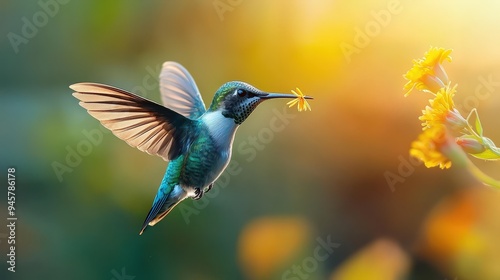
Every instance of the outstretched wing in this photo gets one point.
(141, 123)
(179, 91)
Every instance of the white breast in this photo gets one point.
(221, 129)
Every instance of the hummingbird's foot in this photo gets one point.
(208, 188)
(198, 193)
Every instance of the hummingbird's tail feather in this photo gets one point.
(162, 205)
(158, 203)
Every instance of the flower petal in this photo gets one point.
(293, 102)
(302, 104)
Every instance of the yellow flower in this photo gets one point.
(300, 100)
(428, 147)
(442, 111)
(427, 73)
(436, 56)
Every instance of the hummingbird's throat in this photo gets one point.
(240, 112)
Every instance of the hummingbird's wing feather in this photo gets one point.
(165, 200)
(179, 91)
(141, 123)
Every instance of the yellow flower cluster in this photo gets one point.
(446, 135)
(428, 75)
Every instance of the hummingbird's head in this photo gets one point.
(237, 100)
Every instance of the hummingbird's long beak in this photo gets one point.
(281, 95)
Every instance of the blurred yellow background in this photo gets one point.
(307, 199)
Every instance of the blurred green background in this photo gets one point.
(298, 181)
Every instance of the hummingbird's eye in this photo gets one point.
(241, 92)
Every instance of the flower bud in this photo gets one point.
(455, 121)
(470, 145)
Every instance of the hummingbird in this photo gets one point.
(195, 141)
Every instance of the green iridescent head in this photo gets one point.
(237, 100)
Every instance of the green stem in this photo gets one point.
(458, 157)
(487, 180)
